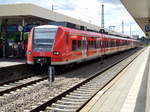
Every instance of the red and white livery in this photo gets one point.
(58, 45)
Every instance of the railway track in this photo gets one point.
(75, 98)
(12, 85)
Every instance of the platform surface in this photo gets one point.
(128, 92)
(11, 62)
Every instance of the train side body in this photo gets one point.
(71, 46)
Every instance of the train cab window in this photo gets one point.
(79, 45)
(74, 45)
(43, 39)
(44, 36)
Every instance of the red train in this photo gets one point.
(58, 45)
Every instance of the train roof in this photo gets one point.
(94, 34)
(84, 33)
(46, 26)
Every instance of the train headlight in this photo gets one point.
(56, 52)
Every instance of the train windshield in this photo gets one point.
(44, 36)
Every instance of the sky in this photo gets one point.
(90, 11)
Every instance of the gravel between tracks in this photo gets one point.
(24, 98)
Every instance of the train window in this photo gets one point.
(74, 45)
(97, 44)
(105, 44)
(101, 44)
(67, 38)
(83, 44)
(117, 43)
(79, 45)
(111, 43)
(89, 44)
(94, 42)
(114, 44)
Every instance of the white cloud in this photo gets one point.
(90, 10)
(19, 2)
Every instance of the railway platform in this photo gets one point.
(10, 68)
(128, 92)
(11, 62)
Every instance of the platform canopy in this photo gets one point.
(29, 13)
(140, 11)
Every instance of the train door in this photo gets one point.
(84, 49)
(97, 46)
(103, 45)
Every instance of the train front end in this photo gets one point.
(40, 44)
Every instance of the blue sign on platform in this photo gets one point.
(12, 28)
(147, 28)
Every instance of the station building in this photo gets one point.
(16, 20)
